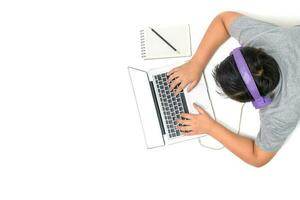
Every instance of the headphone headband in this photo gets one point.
(259, 101)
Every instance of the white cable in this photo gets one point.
(241, 115)
(215, 148)
(208, 147)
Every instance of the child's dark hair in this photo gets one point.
(263, 67)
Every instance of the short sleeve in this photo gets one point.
(273, 133)
(244, 29)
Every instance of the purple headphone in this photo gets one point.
(259, 101)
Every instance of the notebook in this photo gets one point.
(153, 47)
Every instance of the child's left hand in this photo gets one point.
(194, 124)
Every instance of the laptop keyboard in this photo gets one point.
(172, 105)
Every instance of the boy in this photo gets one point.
(272, 54)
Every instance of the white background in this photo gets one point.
(69, 127)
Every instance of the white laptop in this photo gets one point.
(159, 108)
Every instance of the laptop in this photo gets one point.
(159, 107)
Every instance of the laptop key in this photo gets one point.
(171, 104)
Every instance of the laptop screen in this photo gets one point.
(146, 107)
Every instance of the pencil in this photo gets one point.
(156, 33)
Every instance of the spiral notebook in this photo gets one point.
(154, 47)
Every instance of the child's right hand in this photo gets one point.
(188, 73)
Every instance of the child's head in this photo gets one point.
(263, 67)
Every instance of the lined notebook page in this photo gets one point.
(178, 36)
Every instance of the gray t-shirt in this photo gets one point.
(279, 118)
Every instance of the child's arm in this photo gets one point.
(245, 148)
(216, 34)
